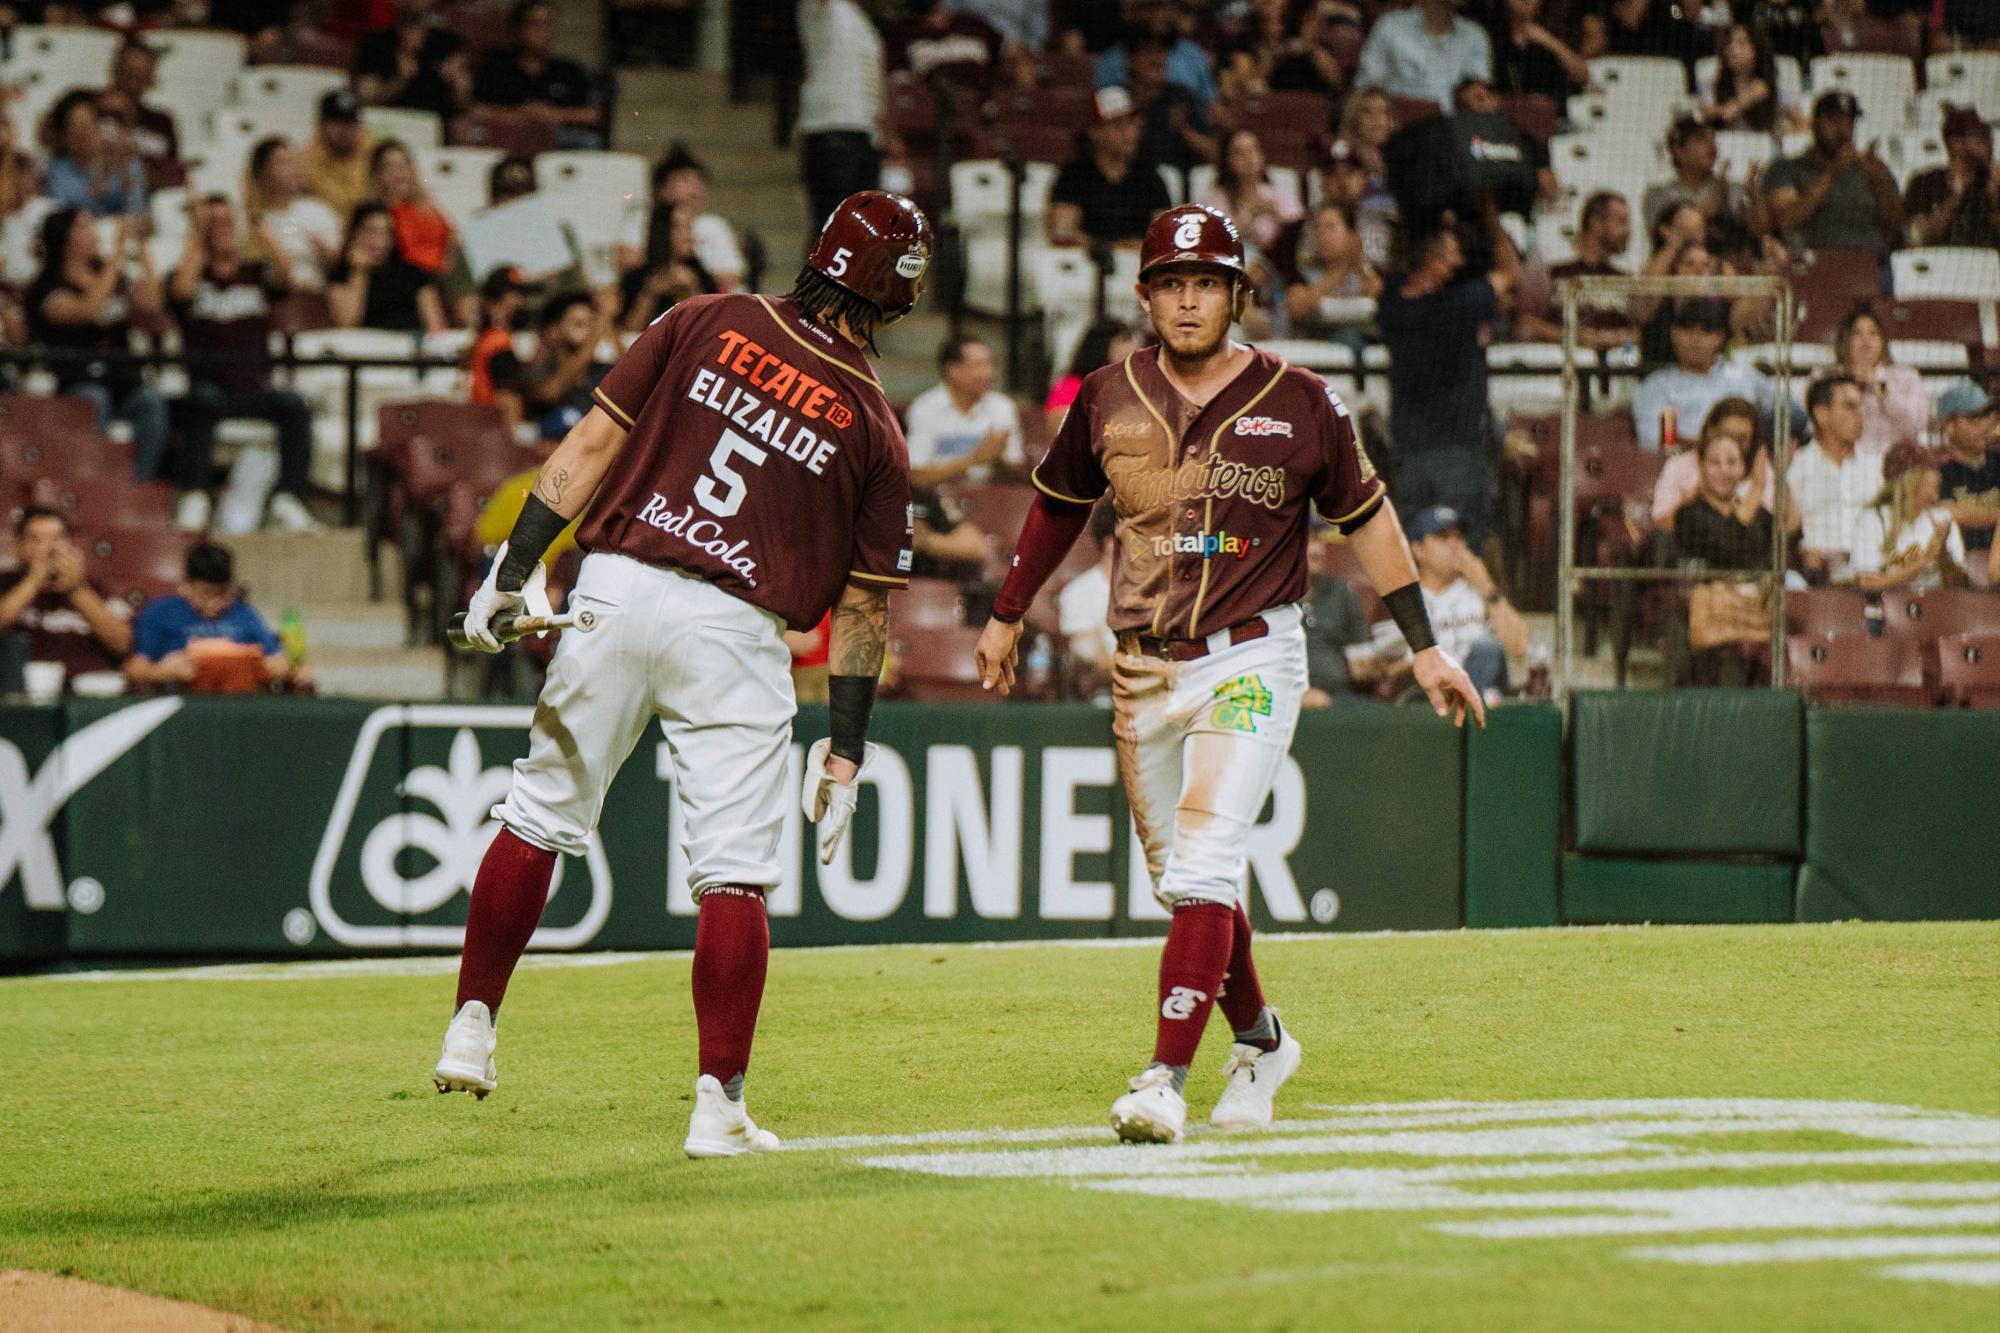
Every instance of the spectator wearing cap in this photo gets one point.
(155, 140)
(1603, 229)
(223, 303)
(962, 428)
(1829, 481)
(1185, 63)
(92, 165)
(843, 126)
(337, 159)
(373, 286)
(208, 620)
(1959, 202)
(1894, 407)
(529, 76)
(493, 371)
(1727, 205)
(680, 187)
(1681, 477)
(1970, 474)
(1723, 526)
(1906, 538)
(281, 214)
(1835, 197)
(1698, 379)
(1529, 60)
(565, 368)
(1423, 51)
(53, 603)
(1104, 195)
(1471, 617)
(1342, 664)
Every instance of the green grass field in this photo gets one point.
(266, 1141)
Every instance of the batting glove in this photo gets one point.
(490, 607)
(828, 801)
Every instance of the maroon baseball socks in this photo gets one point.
(732, 947)
(1192, 966)
(508, 896)
(1242, 1000)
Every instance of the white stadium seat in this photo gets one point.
(196, 71)
(1968, 272)
(1201, 180)
(1882, 84)
(1312, 354)
(1170, 176)
(326, 389)
(1743, 149)
(611, 180)
(1635, 80)
(285, 98)
(455, 178)
(1913, 151)
(1927, 355)
(76, 57)
(412, 129)
(981, 195)
(1974, 76)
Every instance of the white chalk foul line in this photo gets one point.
(1968, 1274)
(1816, 1249)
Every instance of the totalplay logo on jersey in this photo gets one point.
(1203, 544)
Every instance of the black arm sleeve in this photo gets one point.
(1406, 604)
(849, 699)
(534, 532)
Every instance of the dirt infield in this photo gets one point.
(45, 1303)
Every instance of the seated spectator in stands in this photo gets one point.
(665, 280)
(1894, 406)
(1434, 317)
(1083, 607)
(92, 165)
(565, 369)
(1335, 624)
(1680, 480)
(1906, 539)
(1174, 125)
(338, 158)
(945, 544)
(154, 137)
(1829, 481)
(531, 77)
(173, 636)
(931, 41)
(374, 287)
(22, 209)
(82, 303)
(680, 184)
(1022, 24)
(1323, 264)
(1422, 52)
(1105, 195)
(418, 64)
(223, 303)
(1835, 197)
(1641, 28)
(1603, 229)
(1356, 175)
(492, 368)
(280, 212)
(1316, 60)
(1186, 63)
(1725, 205)
(1959, 202)
(423, 234)
(511, 178)
(1699, 378)
(1529, 60)
(962, 428)
(1742, 93)
(1471, 617)
(1246, 194)
(1724, 527)
(1970, 476)
(53, 602)
(1105, 343)
(1847, 25)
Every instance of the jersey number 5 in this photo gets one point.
(724, 500)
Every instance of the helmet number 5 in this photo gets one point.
(724, 500)
(837, 266)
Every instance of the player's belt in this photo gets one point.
(1187, 650)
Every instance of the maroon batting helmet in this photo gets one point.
(876, 245)
(1192, 234)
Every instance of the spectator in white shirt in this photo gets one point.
(680, 183)
(1829, 482)
(1424, 51)
(1906, 539)
(1471, 617)
(276, 205)
(963, 429)
(841, 124)
(1698, 379)
(1081, 608)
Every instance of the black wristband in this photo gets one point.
(849, 701)
(1406, 604)
(534, 532)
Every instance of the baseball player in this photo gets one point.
(739, 473)
(1211, 451)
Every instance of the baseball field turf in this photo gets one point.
(1687, 1128)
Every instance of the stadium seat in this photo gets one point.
(1819, 612)
(1034, 139)
(1964, 271)
(926, 604)
(1201, 179)
(105, 499)
(981, 197)
(1534, 115)
(1929, 615)
(31, 412)
(1743, 149)
(1972, 77)
(1913, 151)
(1826, 284)
(937, 665)
(196, 71)
(1311, 354)
(1635, 132)
(513, 133)
(1969, 669)
(455, 178)
(613, 181)
(67, 57)
(1856, 668)
(132, 563)
(285, 98)
(1932, 320)
(412, 129)
(325, 387)
(1882, 84)
(31, 454)
(1637, 80)
(1791, 79)
(1925, 354)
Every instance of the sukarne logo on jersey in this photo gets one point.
(1254, 426)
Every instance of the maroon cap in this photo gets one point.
(1192, 234)
(878, 246)
(1902, 457)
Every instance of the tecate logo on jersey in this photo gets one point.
(704, 534)
(1263, 426)
(1203, 544)
(783, 382)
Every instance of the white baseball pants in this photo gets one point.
(713, 668)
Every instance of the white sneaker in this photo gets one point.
(1152, 1112)
(722, 1128)
(1254, 1079)
(289, 514)
(467, 1062)
(191, 514)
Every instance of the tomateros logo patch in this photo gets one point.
(1263, 426)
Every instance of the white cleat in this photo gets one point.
(467, 1062)
(1152, 1112)
(722, 1128)
(1254, 1079)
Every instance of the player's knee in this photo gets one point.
(544, 828)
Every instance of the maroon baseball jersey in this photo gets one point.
(761, 456)
(1211, 501)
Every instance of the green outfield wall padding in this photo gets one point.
(1686, 771)
(1513, 795)
(1598, 890)
(1902, 815)
(35, 893)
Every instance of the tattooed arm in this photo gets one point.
(859, 641)
(562, 489)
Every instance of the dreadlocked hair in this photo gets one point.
(828, 302)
